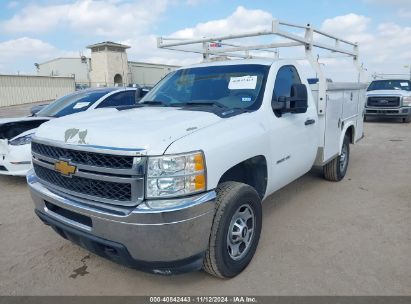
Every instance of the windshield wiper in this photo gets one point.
(224, 111)
(204, 103)
(154, 102)
(128, 107)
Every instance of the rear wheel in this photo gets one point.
(235, 231)
(335, 170)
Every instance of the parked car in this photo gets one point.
(176, 184)
(35, 109)
(16, 133)
(82, 86)
(389, 98)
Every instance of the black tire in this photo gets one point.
(407, 119)
(365, 118)
(334, 170)
(231, 197)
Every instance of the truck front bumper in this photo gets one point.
(388, 112)
(161, 241)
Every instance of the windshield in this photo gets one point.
(72, 103)
(390, 85)
(228, 86)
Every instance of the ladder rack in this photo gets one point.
(313, 38)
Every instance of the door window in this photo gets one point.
(286, 77)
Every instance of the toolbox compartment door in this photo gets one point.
(333, 120)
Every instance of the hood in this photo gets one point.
(389, 92)
(25, 118)
(151, 129)
(13, 127)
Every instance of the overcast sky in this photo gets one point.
(35, 31)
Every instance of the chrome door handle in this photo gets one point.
(309, 122)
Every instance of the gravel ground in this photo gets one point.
(318, 238)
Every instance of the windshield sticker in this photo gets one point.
(243, 83)
(404, 84)
(81, 105)
(246, 99)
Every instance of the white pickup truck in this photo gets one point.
(176, 183)
(389, 98)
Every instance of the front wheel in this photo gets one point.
(235, 231)
(407, 119)
(335, 170)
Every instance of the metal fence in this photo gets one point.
(19, 89)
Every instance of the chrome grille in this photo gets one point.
(99, 177)
(83, 157)
(97, 188)
(383, 101)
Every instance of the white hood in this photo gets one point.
(152, 129)
(388, 93)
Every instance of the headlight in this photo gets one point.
(23, 140)
(175, 175)
(406, 101)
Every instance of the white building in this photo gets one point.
(107, 66)
(69, 67)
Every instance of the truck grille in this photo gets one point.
(99, 177)
(81, 185)
(83, 157)
(383, 101)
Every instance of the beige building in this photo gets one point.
(109, 63)
(108, 66)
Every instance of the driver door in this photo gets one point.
(293, 136)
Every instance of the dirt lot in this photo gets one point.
(319, 238)
(19, 110)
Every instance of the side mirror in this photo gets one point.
(144, 92)
(296, 103)
(299, 98)
(141, 92)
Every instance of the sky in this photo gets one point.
(35, 31)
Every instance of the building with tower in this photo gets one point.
(107, 66)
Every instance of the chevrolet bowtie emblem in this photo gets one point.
(64, 168)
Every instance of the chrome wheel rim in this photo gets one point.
(241, 232)
(343, 158)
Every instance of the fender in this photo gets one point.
(344, 131)
(226, 144)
